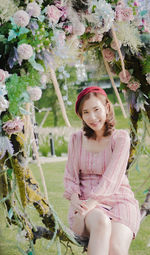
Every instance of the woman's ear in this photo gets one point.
(107, 107)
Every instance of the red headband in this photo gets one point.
(86, 91)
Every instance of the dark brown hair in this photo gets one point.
(110, 117)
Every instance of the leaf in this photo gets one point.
(3, 39)
(12, 35)
(142, 13)
(41, 18)
(36, 65)
(23, 30)
(9, 173)
(10, 213)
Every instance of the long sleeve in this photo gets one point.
(116, 168)
(71, 176)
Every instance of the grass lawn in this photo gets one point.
(54, 179)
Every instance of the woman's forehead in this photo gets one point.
(92, 102)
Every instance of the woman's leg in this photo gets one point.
(98, 226)
(120, 240)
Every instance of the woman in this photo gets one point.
(102, 204)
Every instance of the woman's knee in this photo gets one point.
(97, 221)
(116, 249)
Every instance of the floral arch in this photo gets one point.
(36, 37)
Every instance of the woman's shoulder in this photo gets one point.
(76, 136)
(120, 133)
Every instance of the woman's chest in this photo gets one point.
(94, 162)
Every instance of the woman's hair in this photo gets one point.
(110, 116)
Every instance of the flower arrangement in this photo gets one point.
(42, 35)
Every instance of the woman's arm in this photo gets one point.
(112, 177)
(71, 176)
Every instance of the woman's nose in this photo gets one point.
(92, 116)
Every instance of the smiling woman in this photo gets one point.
(102, 204)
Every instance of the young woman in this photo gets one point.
(102, 204)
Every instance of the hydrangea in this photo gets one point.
(25, 51)
(103, 15)
(53, 13)
(21, 18)
(35, 93)
(5, 146)
(33, 9)
(124, 13)
(13, 126)
(4, 104)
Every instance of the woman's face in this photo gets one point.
(94, 113)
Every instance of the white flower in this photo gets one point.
(35, 93)
(148, 78)
(4, 104)
(25, 51)
(33, 9)
(21, 18)
(5, 146)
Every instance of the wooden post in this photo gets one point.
(58, 93)
(114, 86)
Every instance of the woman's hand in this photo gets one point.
(79, 205)
(91, 203)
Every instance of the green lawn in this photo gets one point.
(54, 179)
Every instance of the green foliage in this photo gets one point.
(44, 147)
(146, 65)
(61, 146)
(16, 87)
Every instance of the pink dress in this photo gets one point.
(101, 175)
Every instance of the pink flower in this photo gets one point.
(25, 51)
(96, 38)
(133, 85)
(124, 13)
(35, 93)
(3, 75)
(114, 45)
(53, 13)
(125, 79)
(68, 28)
(13, 126)
(108, 54)
(33, 9)
(78, 29)
(21, 18)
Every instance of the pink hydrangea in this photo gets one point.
(124, 13)
(133, 85)
(53, 13)
(33, 9)
(114, 45)
(78, 29)
(13, 126)
(21, 18)
(108, 54)
(35, 93)
(3, 75)
(126, 78)
(25, 51)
